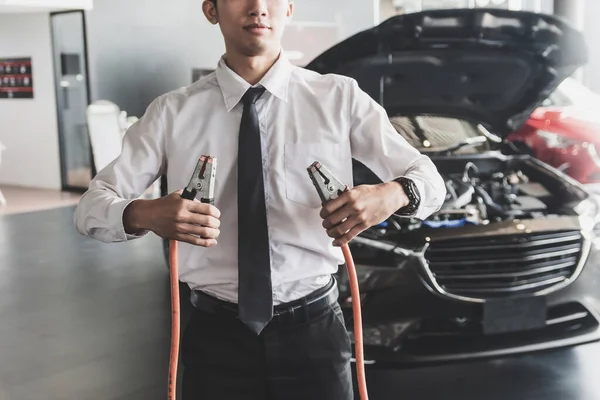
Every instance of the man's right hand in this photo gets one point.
(174, 218)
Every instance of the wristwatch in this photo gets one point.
(414, 197)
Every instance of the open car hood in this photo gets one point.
(492, 67)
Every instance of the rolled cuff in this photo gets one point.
(115, 216)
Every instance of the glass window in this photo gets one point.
(72, 95)
(389, 8)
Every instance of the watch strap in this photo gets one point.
(413, 195)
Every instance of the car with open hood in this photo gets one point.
(510, 262)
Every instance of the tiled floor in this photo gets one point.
(80, 319)
(22, 200)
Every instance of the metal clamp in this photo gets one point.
(328, 186)
(202, 181)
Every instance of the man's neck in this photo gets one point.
(252, 69)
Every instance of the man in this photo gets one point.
(267, 324)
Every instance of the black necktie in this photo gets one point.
(255, 298)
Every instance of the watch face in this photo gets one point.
(409, 184)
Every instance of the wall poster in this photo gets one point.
(16, 79)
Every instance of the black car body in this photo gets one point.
(510, 262)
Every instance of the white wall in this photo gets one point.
(28, 127)
(26, 6)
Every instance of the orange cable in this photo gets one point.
(357, 315)
(175, 320)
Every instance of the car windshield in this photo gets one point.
(431, 134)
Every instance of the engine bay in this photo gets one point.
(482, 190)
(485, 191)
(475, 198)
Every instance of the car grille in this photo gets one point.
(497, 266)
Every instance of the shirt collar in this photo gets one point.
(276, 81)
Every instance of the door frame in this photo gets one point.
(61, 142)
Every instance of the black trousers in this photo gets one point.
(304, 358)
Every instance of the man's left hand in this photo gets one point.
(360, 208)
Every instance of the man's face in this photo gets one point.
(251, 27)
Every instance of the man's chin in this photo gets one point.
(257, 49)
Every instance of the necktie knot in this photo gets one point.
(252, 95)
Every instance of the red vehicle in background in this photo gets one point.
(564, 132)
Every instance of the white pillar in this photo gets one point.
(574, 12)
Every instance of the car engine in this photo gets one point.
(474, 198)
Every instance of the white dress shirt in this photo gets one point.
(304, 117)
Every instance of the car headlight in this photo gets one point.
(591, 148)
(556, 141)
(589, 214)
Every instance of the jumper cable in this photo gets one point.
(329, 188)
(202, 181)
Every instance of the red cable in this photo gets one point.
(175, 322)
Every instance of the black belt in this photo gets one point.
(301, 310)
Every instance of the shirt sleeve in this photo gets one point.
(99, 213)
(377, 144)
